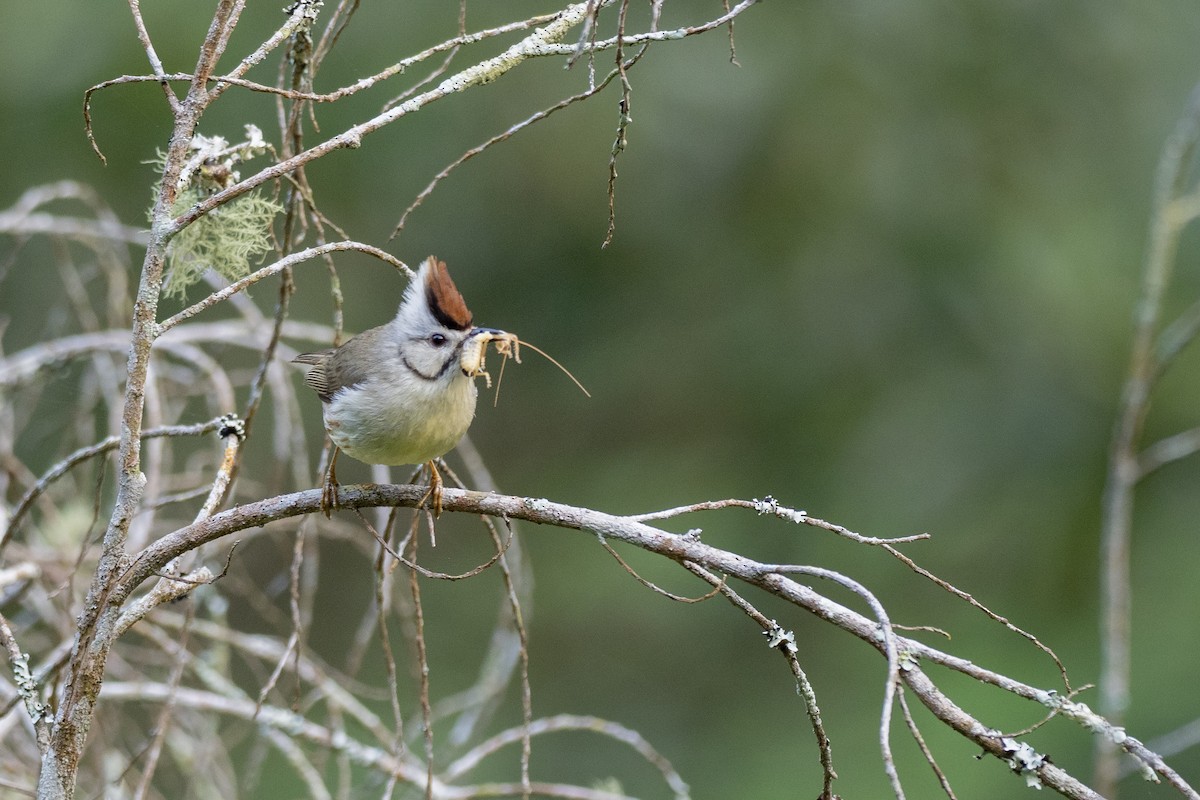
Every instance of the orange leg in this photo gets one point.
(329, 492)
(434, 496)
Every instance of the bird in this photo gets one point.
(404, 392)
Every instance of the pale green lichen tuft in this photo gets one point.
(227, 239)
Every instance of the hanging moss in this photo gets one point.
(227, 239)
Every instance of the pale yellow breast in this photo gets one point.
(371, 423)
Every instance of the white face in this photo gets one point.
(431, 351)
(425, 344)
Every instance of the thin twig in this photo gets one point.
(165, 713)
(423, 668)
(85, 453)
(474, 151)
(571, 722)
(1174, 168)
(518, 621)
(652, 586)
(788, 648)
(385, 646)
(1168, 450)
(771, 506)
(943, 781)
(970, 600)
(273, 269)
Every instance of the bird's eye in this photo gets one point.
(437, 339)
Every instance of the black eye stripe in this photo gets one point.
(452, 358)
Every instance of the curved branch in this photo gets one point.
(680, 548)
(539, 43)
(275, 269)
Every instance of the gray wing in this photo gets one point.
(343, 366)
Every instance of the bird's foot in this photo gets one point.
(433, 497)
(329, 497)
(329, 491)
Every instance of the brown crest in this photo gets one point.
(442, 295)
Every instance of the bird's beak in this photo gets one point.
(475, 350)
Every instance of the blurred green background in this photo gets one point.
(882, 270)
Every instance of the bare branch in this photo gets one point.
(903, 653)
(85, 453)
(135, 8)
(571, 722)
(1124, 470)
(274, 269)
(785, 643)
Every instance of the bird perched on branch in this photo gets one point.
(404, 393)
